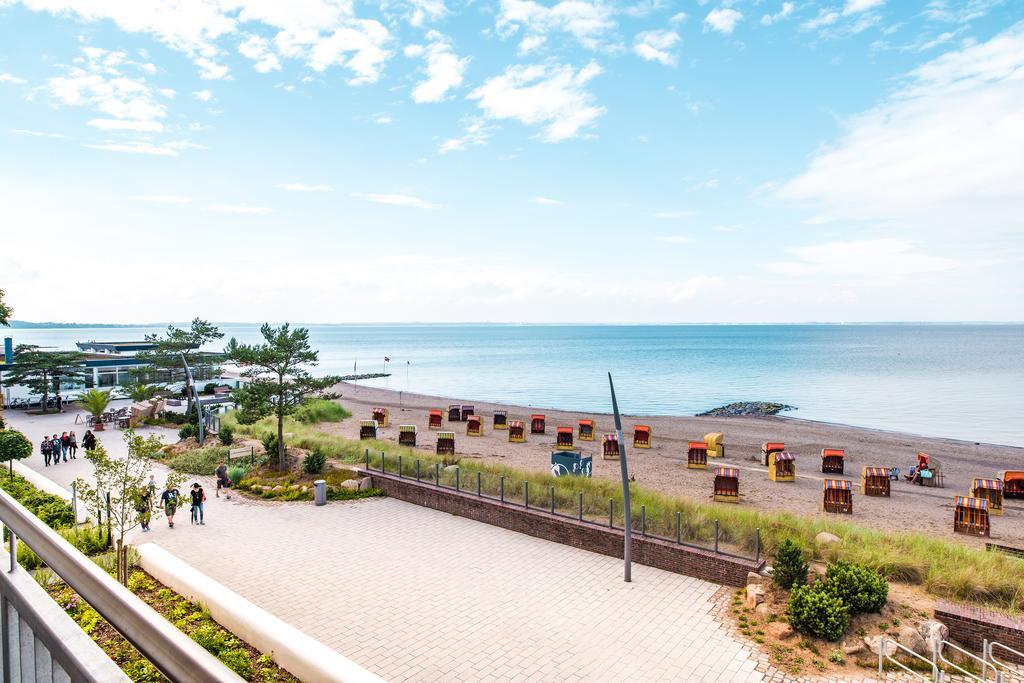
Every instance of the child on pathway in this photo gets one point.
(198, 498)
(169, 502)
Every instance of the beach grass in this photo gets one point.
(943, 568)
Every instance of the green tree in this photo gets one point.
(95, 402)
(164, 360)
(13, 446)
(140, 391)
(5, 311)
(124, 479)
(278, 379)
(44, 371)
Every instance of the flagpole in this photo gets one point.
(627, 550)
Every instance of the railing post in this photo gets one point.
(108, 520)
(716, 535)
(382, 462)
(478, 484)
(679, 522)
(367, 458)
(611, 513)
(437, 474)
(13, 540)
(399, 467)
(417, 471)
(503, 489)
(74, 500)
(643, 520)
(526, 494)
(881, 656)
(457, 477)
(757, 545)
(552, 500)
(581, 506)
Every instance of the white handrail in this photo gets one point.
(882, 657)
(940, 646)
(990, 656)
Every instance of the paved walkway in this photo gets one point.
(415, 594)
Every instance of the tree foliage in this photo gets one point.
(790, 567)
(14, 446)
(278, 379)
(44, 371)
(95, 401)
(164, 361)
(6, 311)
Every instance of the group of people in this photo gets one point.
(58, 448)
(170, 501)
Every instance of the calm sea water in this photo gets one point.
(961, 381)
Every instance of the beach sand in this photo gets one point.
(663, 466)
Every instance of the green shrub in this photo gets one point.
(861, 589)
(188, 431)
(226, 435)
(210, 637)
(209, 387)
(836, 657)
(88, 619)
(790, 567)
(320, 410)
(314, 462)
(90, 540)
(818, 613)
(174, 418)
(269, 441)
(236, 474)
(199, 460)
(237, 659)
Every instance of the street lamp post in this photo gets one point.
(627, 551)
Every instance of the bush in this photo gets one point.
(209, 387)
(226, 435)
(187, 431)
(174, 418)
(210, 638)
(320, 410)
(269, 441)
(790, 568)
(90, 540)
(199, 460)
(861, 589)
(236, 474)
(314, 462)
(818, 613)
(237, 659)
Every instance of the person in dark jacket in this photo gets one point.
(46, 448)
(198, 496)
(73, 446)
(89, 440)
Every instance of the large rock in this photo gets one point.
(754, 596)
(825, 538)
(754, 579)
(852, 647)
(350, 484)
(932, 631)
(909, 638)
(874, 644)
(762, 609)
(365, 484)
(779, 630)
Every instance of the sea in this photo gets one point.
(963, 381)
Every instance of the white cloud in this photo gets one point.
(383, 119)
(258, 49)
(134, 148)
(203, 95)
(655, 46)
(530, 44)
(300, 187)
(826, 17)
(678, 18)
(36, 133)
(941, 152)
(120, 124)
(98, 81)
(244, 209)
(361, 47)
(475, 133)
(163, 198)
(552, 95)
(547, 201)
(12, 79)
(397, 200)
(886, 255)
(587, 21)
(786, 10)
(857, 6)
(423, 11)
(723, 20)
(675, 239)
(444, 69)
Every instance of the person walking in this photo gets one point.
(89, 440)
(55, 448)
(169, 502)
(223, 481)
(198, 498)
(46, 448)
(73, 445)
(65, 444)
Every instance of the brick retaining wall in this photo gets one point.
(703, 564)
(972, 626)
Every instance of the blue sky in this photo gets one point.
(512, 160)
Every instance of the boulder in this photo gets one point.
(350, 484)
(909, 638)
(873, 644)
(365, 484)
(754, 579)
(852, 647)
(754, 596)
(779, 630)
(276, 488)
(451, 468)
(825, 538)
(932, 631)
(762, 609)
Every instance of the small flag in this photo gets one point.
(386, 359)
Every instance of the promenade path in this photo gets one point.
(415, 594)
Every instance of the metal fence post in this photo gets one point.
(611, 513)
(503, 489)
(417, 470)
(367, 458)
(437, 474)
(478, 484)
(399, 467)
(881, 656)
(643, 520)
(13, 540)
(457, 471)
(108, 520)
(716, 535)
(526, 493)
(679, 524)
(581, 506)
(382, 462)
(552, 500)
(757, 545)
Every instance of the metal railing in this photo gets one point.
(434, 475)
(884, 657)
(1004, 671)
(939, 650)
(172, 652)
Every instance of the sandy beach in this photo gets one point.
(663, 466)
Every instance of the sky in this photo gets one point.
(512, 160)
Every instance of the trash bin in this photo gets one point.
(320, 492)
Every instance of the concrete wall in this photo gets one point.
(703, 564)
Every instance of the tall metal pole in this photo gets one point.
(627, 551)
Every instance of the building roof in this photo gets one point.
(115, 346)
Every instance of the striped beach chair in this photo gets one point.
(434, 419)
(407, 435)
(610, 447)
(474, 425)
(381, 415)
(770, 448)
(832, 460)
(782, 467)
(500, 420)
(875, 481)
(697, 455)
(992, 491)
(538, 424)
(446, 443)
(585, 431)
(455, 413)
(368, 429)
(467, 411)
(727, 485)
(970, 516)
(563, 437)
(641, 436)
(516, 431)
(837, 496)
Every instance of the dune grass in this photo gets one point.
(943, 568)
(321, 410)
